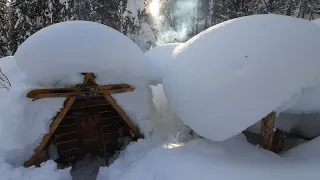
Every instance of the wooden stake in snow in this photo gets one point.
(267, 131)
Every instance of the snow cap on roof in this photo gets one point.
(80, 46)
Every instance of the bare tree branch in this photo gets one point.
(4, 81)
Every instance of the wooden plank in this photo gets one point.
(123, 115)
(90, 101)
(79, 93)
(267, 131)
(53, 127)
(111, 87)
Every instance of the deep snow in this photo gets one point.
(67, 50)
(205, 90)
(160, 57)
(233, 74)
(233, 159)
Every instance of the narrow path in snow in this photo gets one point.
(87, 168)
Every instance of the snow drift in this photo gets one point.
(57, 55)
(167, 125)
(316, 21)
(161, 56)
(233, 74)
(203, 159)
(22, 126)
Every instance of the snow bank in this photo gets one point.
(230, 76)
(7, 64)
(160, 57)
(80, 46)
(305, 151)
(23, 123)
(56, 56)
(167, 125)
(48, 171)
(200, 158)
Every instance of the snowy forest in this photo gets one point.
(159, 89)
(146, 22)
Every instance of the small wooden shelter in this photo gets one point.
(90, 121)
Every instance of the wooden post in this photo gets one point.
(267, 131)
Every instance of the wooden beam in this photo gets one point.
(79, 93)
(123, 115)
(267, 131)
(113, 88)
(54, 125)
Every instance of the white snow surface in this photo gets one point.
(306, 151)
(160, 57)
(80, 46)
(316, 21)
(308, 101)
(7, 64)
(23, 123)
(230, 76)
(69, 48)
(234, 159)
(22, 126)
(47, 171)
(167, 124)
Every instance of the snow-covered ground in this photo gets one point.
(220, 82)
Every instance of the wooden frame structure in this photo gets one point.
(88, 83)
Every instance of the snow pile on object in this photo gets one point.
(232, 159)
(48, 171)
(70, 48)
(80, 46)
(230, 76)
(160, 57)
(23, 123)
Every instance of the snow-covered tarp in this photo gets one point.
(233, 74)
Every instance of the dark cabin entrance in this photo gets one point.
(90, 126)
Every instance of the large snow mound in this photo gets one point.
(234, 159)
(233, 74)
(79, 46)
(160, 57)
(57, 55)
